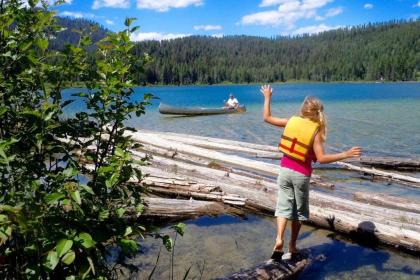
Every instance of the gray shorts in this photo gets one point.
(293, 195)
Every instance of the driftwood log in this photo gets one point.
(272, 269)
(400, 178)
(392, 162)
(390, 201)
(164, 208)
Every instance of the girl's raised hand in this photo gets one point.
(267, 91)
(354, 152)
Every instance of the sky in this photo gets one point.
(167, 19)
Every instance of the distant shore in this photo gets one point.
(290, 82)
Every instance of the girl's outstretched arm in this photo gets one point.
(328, 158)
(267, 91)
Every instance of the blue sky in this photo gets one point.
(163, 19)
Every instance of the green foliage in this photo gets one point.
(370, 52)
(51, 225)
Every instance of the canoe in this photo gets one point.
(197, 111)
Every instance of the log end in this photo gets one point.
(275, 269)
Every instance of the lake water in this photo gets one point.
(384, 119)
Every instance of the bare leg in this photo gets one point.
(295, 233)
(281, 226)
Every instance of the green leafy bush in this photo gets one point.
(52, 225)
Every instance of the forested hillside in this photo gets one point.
(70, 36)
(387, 50)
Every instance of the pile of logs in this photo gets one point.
(202, 168)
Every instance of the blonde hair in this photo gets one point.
(313, 109)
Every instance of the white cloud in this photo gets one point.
(111, 4)
(156, 36)
(109, 22)
(334, 12)
(217, 35)
(207, 27)
(288, 12)
(76, 14)
(268, 3)
(417, 5)
(262, 18)
(166, 5)
(368, 6)
(314, 29)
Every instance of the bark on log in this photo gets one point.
(388, 201)
(273, 269)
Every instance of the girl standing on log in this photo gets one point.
(301, 143)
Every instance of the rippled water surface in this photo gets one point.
(382, 118)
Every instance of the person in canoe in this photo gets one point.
(302, 143)
(232, 102)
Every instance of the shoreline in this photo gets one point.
(297, 82)
(294, 82)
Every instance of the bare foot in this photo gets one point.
(279, 245)
(292, 248)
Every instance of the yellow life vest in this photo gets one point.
(298, 137)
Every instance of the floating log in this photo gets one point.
(361, 228)
(272, 269)
(388, 201)
(364, 210)
(415, 182)
(391, 162)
